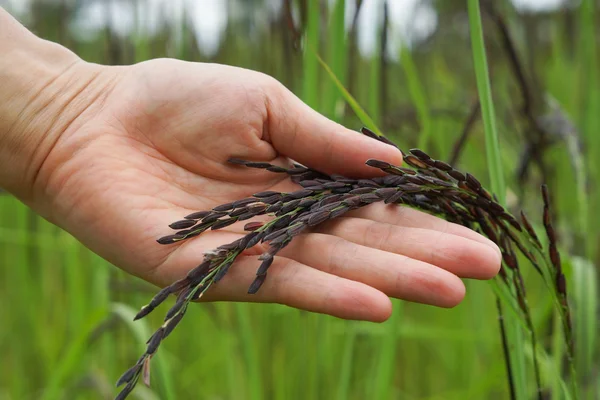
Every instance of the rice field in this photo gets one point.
(67, 320)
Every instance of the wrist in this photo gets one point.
(44, 89)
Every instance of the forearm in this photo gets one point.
(43, 87)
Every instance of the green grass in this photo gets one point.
(67, 330)
(516, 362)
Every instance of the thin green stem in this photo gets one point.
(492, 146)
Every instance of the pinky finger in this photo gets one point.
(300, 286)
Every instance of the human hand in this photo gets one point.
(149, 143)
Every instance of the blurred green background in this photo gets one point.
(66, 329)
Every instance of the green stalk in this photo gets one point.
(417, 95)
(251, 352)
(492, 146)
(336, 57)
(358, 110)
(374, 82)
(346, 365)
(590, 122)
(310, 88)
(387, 357)
(514, 333)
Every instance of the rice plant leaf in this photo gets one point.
(514, 333)
(310, 79)
(358, 110)
(74, 356)
(336, 55)
(141, 331)
(585, 302)
(418, 96)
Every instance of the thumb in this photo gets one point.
(297, 131)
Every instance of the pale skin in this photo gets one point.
(115, 154)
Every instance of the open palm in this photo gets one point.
(155, 148)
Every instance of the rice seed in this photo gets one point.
(295, 229)
(296, 170)
(352, 202)
(561, 284)
(281, 222)
(415, 162)
(335, 185)
(472, 182)
(160, 297)
(256, 284)
(128, 375)
(372, 135)
(300, 194)
(330, 206)
(525, 222)
(394, 198)
(170, 239)
(230, 246)
(126, 391)
(274, 235)
(388, 141)
(309, 183)
(267, 193)
(393, 180)
(415, 179)
(276, 168)
(271, 199)
(411, 188)
(305, 203)
(367, 183)
(154, 341)
(254, 239)
(244, 202)
(280, 239)
(253, 164)
(289, 206)
(196, 274)
(405, 171)
(369, 198)
(175, 308)
(213, 217)
(178, 285)
(442, 165)
(222, 272)
(197, 215)
(172, 323)
(224, 207)
(318, 217)
(145, 310)
(252, 226)
(337, 212)
(274, 207)
(367, 132)
(238, 211)
(183, 224)
(361, 190)
(246, 215)
(378, 164)
(264, 266)
(155, 302)
(222, 223)
(384, 193)
(299, 177)
(459, 176)
(237, 161)
(419, 154)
